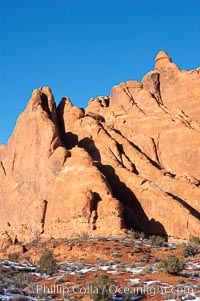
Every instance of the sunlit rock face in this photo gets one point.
(129, 160)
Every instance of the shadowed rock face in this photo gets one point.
(130, 160)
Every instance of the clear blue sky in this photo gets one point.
(82, 48)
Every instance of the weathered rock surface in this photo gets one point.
(130, 160)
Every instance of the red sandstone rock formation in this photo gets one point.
(130, 160)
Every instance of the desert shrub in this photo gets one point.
(190, 250)
(22, 279)
(59, 281)
(181, 281)
(101, 261)
(106, 248)
(13, 256)
(137, 234)
(125, 244)
(146, 257)
(148, 269)
(116, 255)
(79, 277)
(84, 235)
(101, 288)
(136, 250)
(196, 274)
(157, 240)
(194, 240)
(47, 263)
(54, 243)
(172, 264)
(104, 239)
(27, 259)
(132, 234)
(117, 248)
(155, 260)
(111, 263)
(141, 235)
(132, 265)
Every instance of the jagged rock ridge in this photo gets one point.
(127, 161)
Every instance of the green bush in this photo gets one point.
(116, 255)
(190, 250)
(13, 256)
(172, 264)
(47, 263)
(101, 289)
(194, 240)
(157, 240)
(136, 250)
(137, 234)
